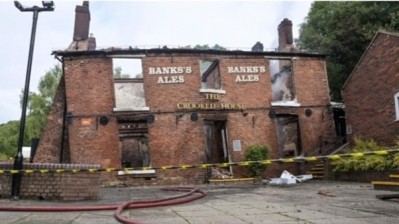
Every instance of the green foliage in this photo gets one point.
(257, 153)
(395, 161)
(39, 104)
(365, 163)
(38, 108)
(342, 30)
(9, 138)
(4, 157)
(207, 47)
(119, 75)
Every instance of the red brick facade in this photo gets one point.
(369, 93)
(184, 124)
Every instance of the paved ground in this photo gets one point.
(310, 202)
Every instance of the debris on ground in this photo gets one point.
(326, 193)
(287, 178)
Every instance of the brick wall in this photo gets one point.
(369, 92)
(90, 95)
(175, 139)
(49, 147)
(65, 186)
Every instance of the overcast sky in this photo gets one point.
(231, 24)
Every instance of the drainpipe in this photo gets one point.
(63, 119)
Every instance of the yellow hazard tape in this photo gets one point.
(334, 157)
(288, 160)
(311, 158)
(266, 162)
(186, 166)
(357, 154)
(382, 152)
(206, 165)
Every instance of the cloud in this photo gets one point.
(232, 24)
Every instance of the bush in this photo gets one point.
(4, 157)
(365, 163)
(257, 153)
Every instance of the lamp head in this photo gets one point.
(48, 4)
(18, 5)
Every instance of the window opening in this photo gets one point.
(281, 76)
(210, 75)
(128, 85)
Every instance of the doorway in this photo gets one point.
(288, 134)
(216, 149)
(133, 144)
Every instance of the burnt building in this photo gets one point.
(371, 93)
(187, 106)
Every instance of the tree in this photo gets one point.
(118, 73)
(207, 47)
(8, 139)
(39, 104)
(38, 108)
(342, 30)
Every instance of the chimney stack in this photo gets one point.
(285, 38)
(258, 47)
(81, 39)
(82, 22)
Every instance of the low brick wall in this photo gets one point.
(65, 186)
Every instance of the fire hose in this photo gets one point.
(190, 195)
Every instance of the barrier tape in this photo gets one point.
(204, 166)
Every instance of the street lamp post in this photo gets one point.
(18, 162)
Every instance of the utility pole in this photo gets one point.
(18, 162)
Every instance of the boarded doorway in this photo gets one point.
(288, 133)
(133, 144)
(216, 149)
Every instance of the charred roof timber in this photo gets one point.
(110, 52)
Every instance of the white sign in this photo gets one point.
(175, 72)
(169, 70)
(246, 73)
(236, 145)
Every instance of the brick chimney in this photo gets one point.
(81, 40)
(82, 22)
(258, 47)
(285, 38)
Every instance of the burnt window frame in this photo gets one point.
(204, 75)
(130, 80)
(290, 103)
